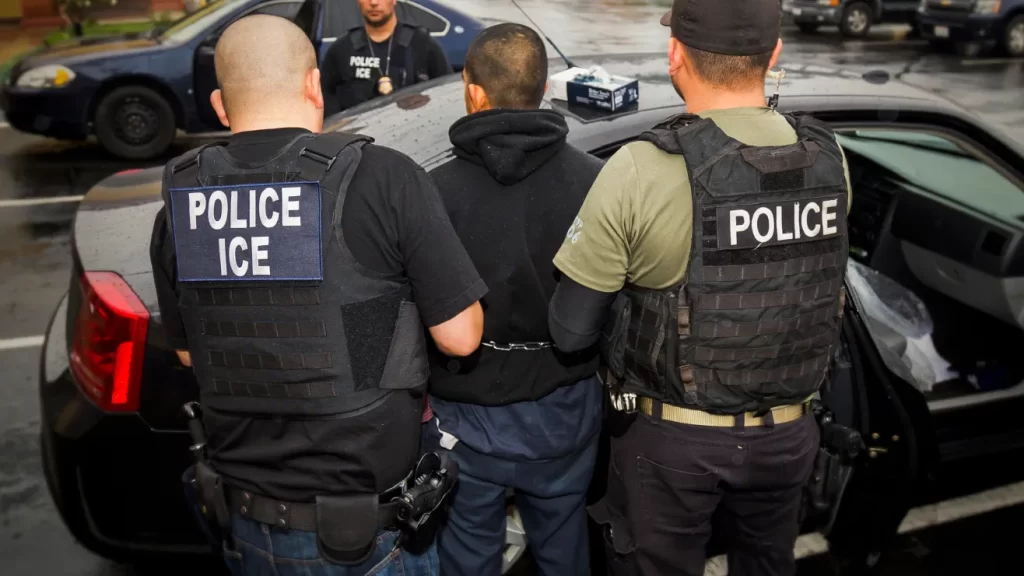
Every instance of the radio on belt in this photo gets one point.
(594, 87)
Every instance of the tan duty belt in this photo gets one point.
(679, 415)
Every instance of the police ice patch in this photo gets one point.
(774, 223)
(248, 232)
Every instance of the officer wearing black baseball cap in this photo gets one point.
(712, 254)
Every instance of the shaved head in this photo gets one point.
(265, 66)
(510, 64)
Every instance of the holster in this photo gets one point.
(212, 499)
(833, 467)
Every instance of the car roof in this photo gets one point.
(416, 121)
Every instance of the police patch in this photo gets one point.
(248, 232)
(775, 223)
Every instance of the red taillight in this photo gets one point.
(110, 342)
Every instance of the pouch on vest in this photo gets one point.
(346, 527)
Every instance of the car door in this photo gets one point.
(204, 76)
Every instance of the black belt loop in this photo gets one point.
(656, 409)
(740, 422)
(769, 420)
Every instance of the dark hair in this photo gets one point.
(510, 63)
(735, 72)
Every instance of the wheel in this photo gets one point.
(134, 123)
(1013, 37)
(807, 27)
(856, 21)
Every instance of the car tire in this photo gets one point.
(856, 20)
(134, 123)
(807, 27)
(1013, 37)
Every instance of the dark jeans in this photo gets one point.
(668, 482)
(261, 550)
(550, 495)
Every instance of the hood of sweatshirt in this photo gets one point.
(509, 144)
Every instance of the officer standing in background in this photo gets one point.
(518, 413)
(716, 247)
(295, 272)
(379, 58)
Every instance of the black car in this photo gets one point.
(974, 24)
(135, 92)
(928, 369)
(854, 17)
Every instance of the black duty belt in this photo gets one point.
(299, 515)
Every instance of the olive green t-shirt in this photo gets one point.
(636, 224)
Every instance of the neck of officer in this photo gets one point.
(246, 123)
(384, 31)
(704, 97)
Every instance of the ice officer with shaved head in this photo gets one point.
(296, 272)
(518, 413)
(713, 253)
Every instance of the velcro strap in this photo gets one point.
(769, 299)
(750, 377)
(770, 269)
(749, 329)
(300, 516)
(704, 354)
(683, 321)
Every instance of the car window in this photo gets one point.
(939, 165)
(340, 16)
(420, 16)
(199, 21)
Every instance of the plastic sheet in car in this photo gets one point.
(900, 325)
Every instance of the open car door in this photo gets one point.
(872, 496)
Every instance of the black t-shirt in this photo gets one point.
(395, 224)
(354, 63)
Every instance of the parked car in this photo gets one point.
(114, 444)
(854, 17)
(974, 24)
(134, 92)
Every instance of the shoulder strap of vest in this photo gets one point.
(818, 131)
(405, 34)
(699, 140)
(320, 152)
(358, 37)
(187, 171)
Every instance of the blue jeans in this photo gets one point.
(551, 497)
(263, 551)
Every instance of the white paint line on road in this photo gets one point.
(917, 519)
(24, 342)
(20, 202)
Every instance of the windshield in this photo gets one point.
(194, 24)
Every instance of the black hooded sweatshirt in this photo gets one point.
(512, 193)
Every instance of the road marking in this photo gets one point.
(991, 61)
(24, 342)
(17, 203)
(917, 519)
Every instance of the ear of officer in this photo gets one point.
(378, 58)
(301, 313)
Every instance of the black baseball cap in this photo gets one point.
(731, 27)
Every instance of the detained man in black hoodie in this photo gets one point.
(518, 413)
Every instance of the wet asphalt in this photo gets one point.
(35, 242)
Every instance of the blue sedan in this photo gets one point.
(135, 92)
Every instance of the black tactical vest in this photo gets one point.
(280, 318)
(754, 323)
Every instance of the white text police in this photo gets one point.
(267, 209)
(778, 223)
